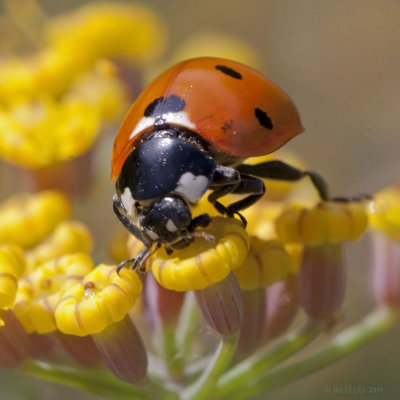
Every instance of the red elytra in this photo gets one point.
(232, 106)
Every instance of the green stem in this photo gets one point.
(173, 360)
(93, 381)
(203, 386)
(346, 342)
(267, 357)
(187, 324)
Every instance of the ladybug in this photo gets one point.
(190, 132)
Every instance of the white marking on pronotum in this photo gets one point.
(174, 118)
(152, 235)
(192, 186)
(144, 123)
(178, 118)
(128, 201)
(171, 227)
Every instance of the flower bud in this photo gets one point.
(81, 349)
(322, 278)
(282, 305)
(222, 305)
(22, 344)
(385, 270)
(385, 266)
(123, 351)
(253, 325)
(161, 303)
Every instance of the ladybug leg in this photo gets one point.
(225, 181)
(281, 171)
(119, 212)
(139, 262)
(202, 221)
(249, 185)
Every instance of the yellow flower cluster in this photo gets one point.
(51, 283)
(54, 104)
(108, 30)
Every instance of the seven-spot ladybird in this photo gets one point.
(189, 132)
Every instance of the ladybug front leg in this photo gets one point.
(120, 213)
(139, 262)
(281, 171)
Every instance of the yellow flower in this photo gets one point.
(203, 263)
(266, 263)
(102, 298)
(68, 237)
(101, 89)
(16, 80)
(327, 222)
(384, 211)
(108, 30)
(12, 266)
(41, 132)
(28, 219)
(41, 290)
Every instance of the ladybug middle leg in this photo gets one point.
(229, 180)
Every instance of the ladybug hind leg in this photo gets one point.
(278, 170)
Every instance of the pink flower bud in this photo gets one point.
(385, 270)
(21, 343)
(123, 351)
(322, 278)
(160, 302)
(253, 326)
(79, 348)
(222, 305)
(282, 305)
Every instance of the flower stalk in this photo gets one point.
(373, 325)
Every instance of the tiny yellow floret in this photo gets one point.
(12, 266)
(203, 263)
(327, 222)
(27, 219)
(41, 290)
(68, 237)
(102, 298)
(266, 263)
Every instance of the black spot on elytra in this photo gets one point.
(149, 111)
(263, 118)
(164, 105)
(228, 71)
(227, 126)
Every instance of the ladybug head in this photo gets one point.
(166, 220)
(159, 181)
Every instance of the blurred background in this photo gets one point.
(339, 61)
